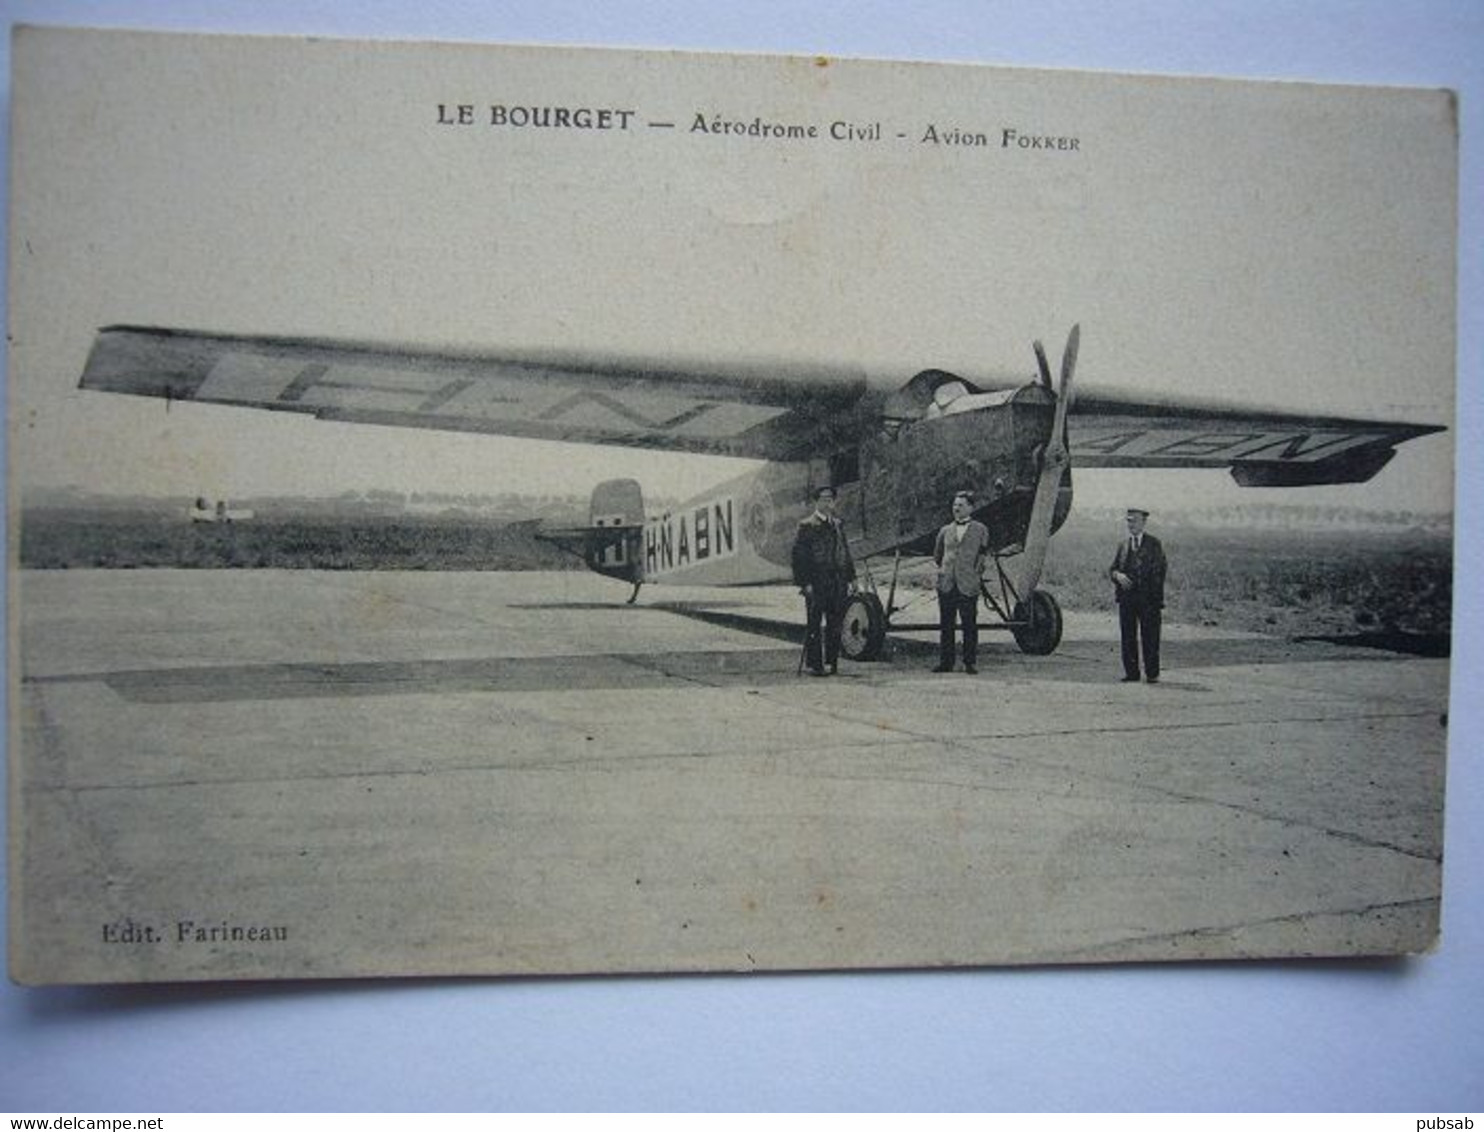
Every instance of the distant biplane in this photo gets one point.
(895, 452)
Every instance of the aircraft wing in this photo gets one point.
(1263, 448)
(760, 412)
(751, 412)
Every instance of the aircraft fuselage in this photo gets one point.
(894, 490)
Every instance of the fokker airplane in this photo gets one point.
(894, 451)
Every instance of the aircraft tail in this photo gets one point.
(617, 503)
(610, 543)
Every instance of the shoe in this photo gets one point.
(972, 669)
(1153, 679)
(816, 671)
(944, 668)
(1130, 680)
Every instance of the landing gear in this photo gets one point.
(1036, 625)
(1040, 632)
(863, 632)
(1035, 619)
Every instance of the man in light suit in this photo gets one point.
(960, 552)
(1138, 576)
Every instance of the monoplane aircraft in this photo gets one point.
(895, 451)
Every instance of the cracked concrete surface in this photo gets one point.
(515, 773)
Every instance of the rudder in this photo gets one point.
(618, 503)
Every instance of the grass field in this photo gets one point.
(1291, 583)
(1363, 582)
(72, 539)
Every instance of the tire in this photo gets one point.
(863, 632)
(1041, 636)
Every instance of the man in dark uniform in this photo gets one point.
(1138, 576)
(823, 572)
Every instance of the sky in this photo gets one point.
(1278, 245)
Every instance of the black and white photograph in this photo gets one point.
(555, 511)
(517, 511)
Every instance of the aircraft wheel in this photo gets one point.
(864, 630)
(1043, 634)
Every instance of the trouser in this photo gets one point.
(1138, 625)
(965, 608)
(824, 614)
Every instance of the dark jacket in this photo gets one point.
(1146, 570)
(821, 556)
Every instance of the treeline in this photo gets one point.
(58, 540)
(1306, 516)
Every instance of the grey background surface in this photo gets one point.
(1374, 1035)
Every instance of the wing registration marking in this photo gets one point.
(580, 405)
(1206, 446)
(254, 378)
(248, 378)
(677, 415)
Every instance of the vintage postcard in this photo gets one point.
(514, 510)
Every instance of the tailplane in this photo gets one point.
(610, 544)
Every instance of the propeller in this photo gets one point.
(1043, 365)
(1023, 575)
(1064, 400)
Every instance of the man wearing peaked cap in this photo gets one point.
(824, 572)
(1138, 576)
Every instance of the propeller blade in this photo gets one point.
(1064, 398)
(1069, 358)
(1043, 365)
